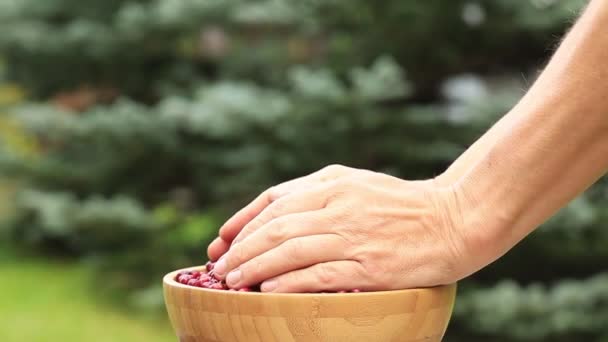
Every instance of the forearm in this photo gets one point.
(482, 146)
(476, 151)
(549, 148)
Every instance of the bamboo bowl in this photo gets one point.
(202, 315)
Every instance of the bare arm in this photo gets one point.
(346, 227)
(548, 149)
(481, 147)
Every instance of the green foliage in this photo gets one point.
(90, 224)
(570, 308)
(214, 101)
(93, 42)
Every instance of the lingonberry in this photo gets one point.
(217, 286)
(208, 280)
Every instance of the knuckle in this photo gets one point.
(294, 249)
(256, 223)
(252, 271)
(276, 231)
(360, 272)
(380, 272)
(333, 171)
(326, 275)
(247, 230)
(275, 192)
(276, 209)
(236, 256)
(334, 168)
(253, 268)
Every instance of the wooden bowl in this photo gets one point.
(202, 315)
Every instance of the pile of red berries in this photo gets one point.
(208, 280)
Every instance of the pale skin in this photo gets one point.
(342, 228)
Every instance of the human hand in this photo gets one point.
(246, 221)
(344, 228)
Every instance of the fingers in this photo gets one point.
(328, 276)
(275, 233)
(292, 255)
(307, 201)
(233, 226)
(217, 248)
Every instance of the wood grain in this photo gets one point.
(201, 315)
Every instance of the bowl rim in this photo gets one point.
(169, 280)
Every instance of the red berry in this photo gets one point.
(184, 278)
(217, 286)
(207, 279)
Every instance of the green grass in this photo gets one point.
(48, 301)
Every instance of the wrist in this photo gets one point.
(477, 218)
(465, 223)
(488, 217)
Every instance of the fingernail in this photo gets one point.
(220, 266)
(234, 278)
(269, 285)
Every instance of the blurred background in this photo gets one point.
(130, 129)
